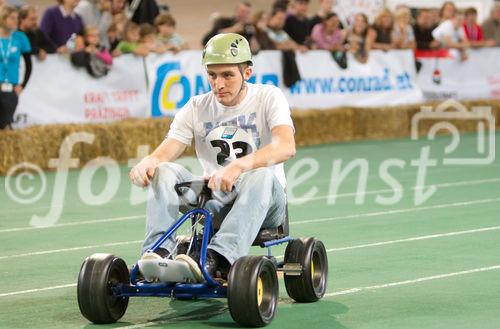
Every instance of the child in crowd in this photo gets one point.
(148, 39)
(93, 57)
(167, 36)
(131, 42)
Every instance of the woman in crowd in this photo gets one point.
(13, 43)
(382, 27)
(447, 11)
(328, 34)
(359, 38)
(402, 34)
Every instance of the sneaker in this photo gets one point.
(212, 262)
(193, 266)
(157, 254)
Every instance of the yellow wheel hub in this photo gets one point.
(312, 270)
(260, 291)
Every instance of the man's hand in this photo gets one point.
(141, 174)
(224, 179)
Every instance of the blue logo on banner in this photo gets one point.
(169, 77)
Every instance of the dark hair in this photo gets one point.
(164, 19)
(25, 11)
(470, 11)
(146, 29)
(280, 4)
(441, 10)
(330, 15)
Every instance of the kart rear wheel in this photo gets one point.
(311, 284)
(252, 291)
(95, 298)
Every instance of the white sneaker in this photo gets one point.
(193, 266)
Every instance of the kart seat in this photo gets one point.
(273, 233)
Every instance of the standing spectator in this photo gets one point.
(259, 22)
(116, 31)
(143, 11)
(12, 44)
(60, 22)
(240, 23)
(278, 35)
(402, 35)
(325, 8)
(328, 35)
(451, 34)
(297, 25)
(165, 24)
(117, 7)
(447, 11)
(383, 28)
(359, 38)
(40, 44)
(423, 30)
(473, 31)
(96, 13)
(491, 27)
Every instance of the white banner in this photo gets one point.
(478, 77)
(59, 93)
(387, 79)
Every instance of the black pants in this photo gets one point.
(8, 104)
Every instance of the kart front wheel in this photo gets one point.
(310, 285)
(98, 274)
(252, 291)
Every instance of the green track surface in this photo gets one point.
(400, 265)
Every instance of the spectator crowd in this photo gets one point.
(92, 32)
(286, 26)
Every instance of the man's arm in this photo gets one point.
(169, 150)
(279, 150)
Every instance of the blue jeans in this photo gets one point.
(259, 202)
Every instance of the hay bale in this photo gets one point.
(120, 140)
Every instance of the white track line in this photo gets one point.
(375, 244)
(331, 294)
(87, 222)
(417, 238)
(418, 280)
(116, 219)
(397, 211)
(55, 251)
(380, 213)
(22, 292)
(350, 194)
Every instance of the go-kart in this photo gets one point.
(251, 287)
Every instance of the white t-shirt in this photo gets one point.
(446, 29)
(223, 133)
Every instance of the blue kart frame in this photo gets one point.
(209, 289)
(251, 288)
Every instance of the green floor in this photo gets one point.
(398, 265)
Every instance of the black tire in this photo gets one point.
(252, 291)
(95, 299)
(311, 284)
